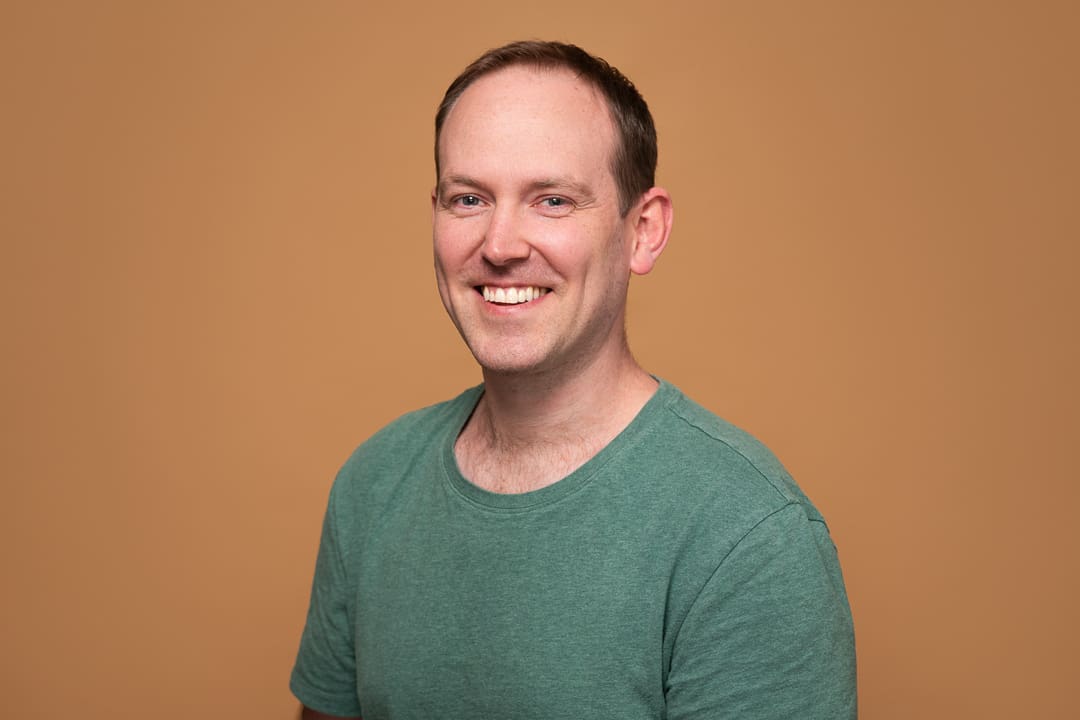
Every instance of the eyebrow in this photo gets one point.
(463, 180)
(571, 186)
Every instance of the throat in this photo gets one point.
(513, 470)
(523, 436)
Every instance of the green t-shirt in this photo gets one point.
(679, 573)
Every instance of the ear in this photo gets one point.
(652, 226)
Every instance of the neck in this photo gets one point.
(530, 430)
(584, 408)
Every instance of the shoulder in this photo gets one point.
(381, 463)
(712, 458)
(415, 429)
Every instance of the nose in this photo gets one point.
(504, 241)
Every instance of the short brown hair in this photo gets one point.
(633, 163)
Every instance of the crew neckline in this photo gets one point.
(519, 502)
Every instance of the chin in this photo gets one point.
(508, 360)
(507, 366)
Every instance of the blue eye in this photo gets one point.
(469, 200)
(555, 206)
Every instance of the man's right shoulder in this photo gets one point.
(415, 438)
(409, 429)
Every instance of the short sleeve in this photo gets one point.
(324, 676)
(770, 635)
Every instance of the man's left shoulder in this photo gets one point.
(721, 453)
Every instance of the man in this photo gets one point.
(574, 538)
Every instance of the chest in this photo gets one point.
(491, 614)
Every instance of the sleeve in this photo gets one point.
(770, 635)
(324, 676)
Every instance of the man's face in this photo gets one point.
(531, 255)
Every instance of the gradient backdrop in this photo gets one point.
(216, 281)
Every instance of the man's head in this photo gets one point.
(533, 251)
(633, 161)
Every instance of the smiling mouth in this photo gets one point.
(511, 295)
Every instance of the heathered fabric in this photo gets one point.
(680, 573)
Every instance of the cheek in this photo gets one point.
(600, 255)
(447, 248)
(565, 246)
(454, 239)
(444, 270)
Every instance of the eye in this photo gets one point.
(468, 201)
(555, 205)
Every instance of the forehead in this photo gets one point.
(528, 115)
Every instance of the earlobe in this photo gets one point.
(651, 228)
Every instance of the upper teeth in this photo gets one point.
(513, 294)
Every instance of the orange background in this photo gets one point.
(216, 282)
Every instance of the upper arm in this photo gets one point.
(770, 635)
(325, 671)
